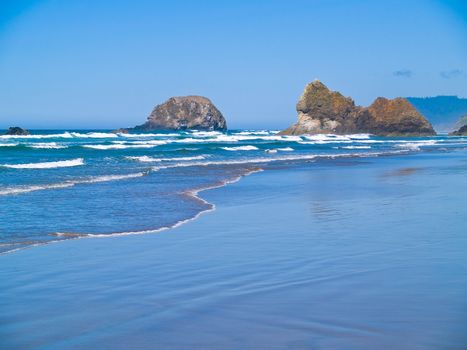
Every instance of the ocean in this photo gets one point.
(243, 240)
(58, 185)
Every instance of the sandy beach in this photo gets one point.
(293, 257)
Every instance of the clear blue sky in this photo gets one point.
(105, 64)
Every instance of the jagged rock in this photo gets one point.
(16, 130)
(322, 111)
(461, 132)
(187, 112)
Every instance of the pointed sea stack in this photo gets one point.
(322, 111)
(182, 113)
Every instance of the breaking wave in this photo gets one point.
(46, 165)
(241, 148)
(65, 184)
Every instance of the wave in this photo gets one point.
(94, 135)
(46, 165)
(206, 133)
(304, 157)
(71, 183)
(46, 145)
(8, 144)
(241, 148)
(283, 149)
(415, 145)
(193, 193)
(66, 135)
(148, 135)
(33, 188)
(147, 159)
(119, 146)
(254, 132)
(355, 147)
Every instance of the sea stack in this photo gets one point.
(186, 112)
(322, 111)
(16, 130)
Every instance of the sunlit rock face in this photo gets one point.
(322, 111)
(186, 112)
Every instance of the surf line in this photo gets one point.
(192, 193)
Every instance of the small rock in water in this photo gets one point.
(16, 130)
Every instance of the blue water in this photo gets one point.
(57, 185)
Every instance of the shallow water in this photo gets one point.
(347, 253)
(57, 185)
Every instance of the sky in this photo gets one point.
(105, 64)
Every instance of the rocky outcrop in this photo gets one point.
(396, 117)
(461, 132)
(16, 130)
(187, 112)
(322, 111)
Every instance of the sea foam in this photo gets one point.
(46, 165)
(148, 159)
(90, 180)
(241, 148)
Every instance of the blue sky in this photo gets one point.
(105, 64)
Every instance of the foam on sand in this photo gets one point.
(46, 165)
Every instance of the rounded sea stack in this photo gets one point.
(183, 113)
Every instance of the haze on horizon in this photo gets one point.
(106, 64)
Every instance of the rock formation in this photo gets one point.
(461, 132)
(187, 112)
(396, 117)
(322, 111)
(16, 130)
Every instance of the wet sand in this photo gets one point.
(311, 257)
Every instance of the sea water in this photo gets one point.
(57, 185)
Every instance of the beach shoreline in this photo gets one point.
(278, 264)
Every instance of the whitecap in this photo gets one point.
(71, 183)
(241, 148)
(66, 135)
(148, 135)
(355, 147)
(119, 146)
(147, 159)
(94, 135)
(46, 145)
(46, 165)
(283, 149)
(304, 157)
